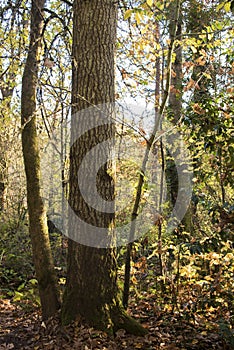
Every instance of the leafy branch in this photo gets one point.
(149, 145)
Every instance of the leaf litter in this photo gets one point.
(23, 329)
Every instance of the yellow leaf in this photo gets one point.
(149, 2)
(193, 48)
(127, 14)
(220, 6)
(227, 6)
(138, 17)
(207, 75)
(211, 309)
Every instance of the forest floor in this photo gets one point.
(21, 328)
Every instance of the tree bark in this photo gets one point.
(7, 93)
(37, 216)
(175, 110)
(3, 170)
(175, 105)
(91, 289)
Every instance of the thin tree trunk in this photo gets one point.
(156, 107)
(3, 170)
(7, 93)
(37, 216)
(150, 143)
(175, 110)
(175, 107)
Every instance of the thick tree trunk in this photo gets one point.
(91, 290)
(37, 215)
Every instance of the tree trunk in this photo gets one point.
(91, 289)
(175, 110)
(175, 106)
(7, 93)
(37, 216)
(3, 169)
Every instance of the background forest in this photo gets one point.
(174, 59)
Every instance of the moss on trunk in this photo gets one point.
(37, 216)
(110, 318)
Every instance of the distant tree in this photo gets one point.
(12, 34)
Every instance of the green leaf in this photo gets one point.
(21, 287)
(18, 296)
(33, 281)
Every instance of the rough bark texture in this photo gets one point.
(91, 290)
(175, 110)
(175, 103)
(37, 215)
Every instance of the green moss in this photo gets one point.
(123, 321)
(109, 318)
